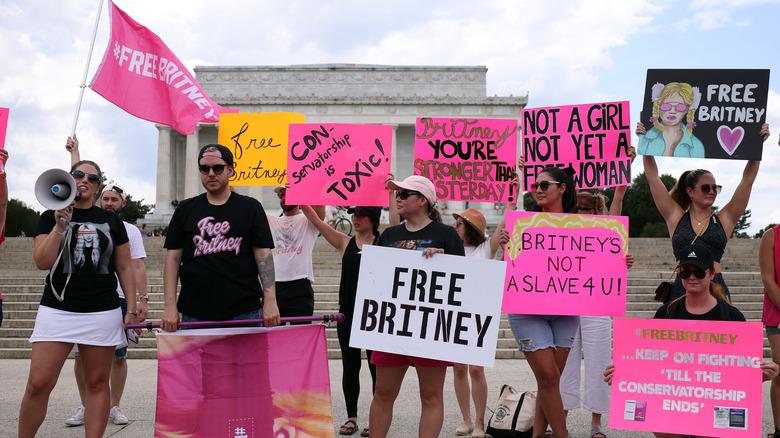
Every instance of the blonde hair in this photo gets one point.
(598, 201)
(686, 92)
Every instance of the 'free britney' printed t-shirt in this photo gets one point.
(218, 272)
(89, 259)
(433, 235)
(294, 238)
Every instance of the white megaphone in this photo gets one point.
(56, 189)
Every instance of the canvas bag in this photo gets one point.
(514, 414)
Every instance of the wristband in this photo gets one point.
(144, 297)
(134, 314)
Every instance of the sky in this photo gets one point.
(560, 52)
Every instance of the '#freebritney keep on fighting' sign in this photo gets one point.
(687, 377)
(565, 264)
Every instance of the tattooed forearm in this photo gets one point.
(265, 267)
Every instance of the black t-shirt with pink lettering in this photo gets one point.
(218, 272)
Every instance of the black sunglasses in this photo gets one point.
(706, 188)
(403, 194)
(218, 169)
(698, 272)
(543, 184)
(280, 195)
(91, 177)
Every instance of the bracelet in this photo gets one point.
(134, 314)
(144, 297)
(55, 230)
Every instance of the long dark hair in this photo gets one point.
(689, 178)
(564, 176)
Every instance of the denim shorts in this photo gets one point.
(537, 332)
(772, 330)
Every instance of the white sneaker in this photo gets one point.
(77, 419)
(117, 416)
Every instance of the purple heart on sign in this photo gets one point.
(730, 139)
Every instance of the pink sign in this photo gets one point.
(687, 377)
(3, 125)
(593, 139)
(338, 164)
(467, 159)
(244, 383)
(565, 264)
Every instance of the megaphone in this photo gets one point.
(56, 189)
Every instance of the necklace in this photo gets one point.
(698, 221)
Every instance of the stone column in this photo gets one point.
(394, 153)
(191, 176)
(163, 202)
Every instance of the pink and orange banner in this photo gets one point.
(593, 139)
(3, 127)
(339, 164)
(141, 75)
(467, 159)
(565, 264)
(687, 377)
(244, 383)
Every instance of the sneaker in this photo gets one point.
(77, 419)
(117, 416)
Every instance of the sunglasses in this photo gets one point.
(706, 188)
(544, 185)
(114, 188)
(91, 177)
(218, 169)
(698, 272)
(278, 195)
(403, 194)
(680, 107)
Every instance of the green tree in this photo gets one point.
(766, 228)
(640, 208)
(742, 225)
(20, 217)
(134, 210)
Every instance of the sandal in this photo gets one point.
(597, 432)
(348, 428)
(549, 433)
(365, 432)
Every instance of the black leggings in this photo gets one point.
(351, 363)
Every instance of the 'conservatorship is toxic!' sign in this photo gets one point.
(445, 307)
(687, 377)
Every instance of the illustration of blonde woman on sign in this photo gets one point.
(674, 117)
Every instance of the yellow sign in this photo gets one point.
(259, 143)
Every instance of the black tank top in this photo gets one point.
(350, 269)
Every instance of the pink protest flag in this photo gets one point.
(244, 382)
(143, 77)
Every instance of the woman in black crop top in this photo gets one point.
(366, 222)
(687, 209)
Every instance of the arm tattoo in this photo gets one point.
(265, 266)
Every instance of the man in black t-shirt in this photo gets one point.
(217, 245)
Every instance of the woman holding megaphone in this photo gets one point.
(83, 246)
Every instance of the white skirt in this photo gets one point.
(93, 328)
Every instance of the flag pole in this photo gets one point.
(338, 317)
(86, 69)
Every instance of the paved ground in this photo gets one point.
(140, 394)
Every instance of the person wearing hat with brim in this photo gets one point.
(415, 202)
(471, 226)
(704, 301)
(294, 237)
(366, 223)
(218, 243)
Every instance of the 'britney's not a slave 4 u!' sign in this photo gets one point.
(467, 159)
(565, 264)
(687, 377)
(593, 139)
